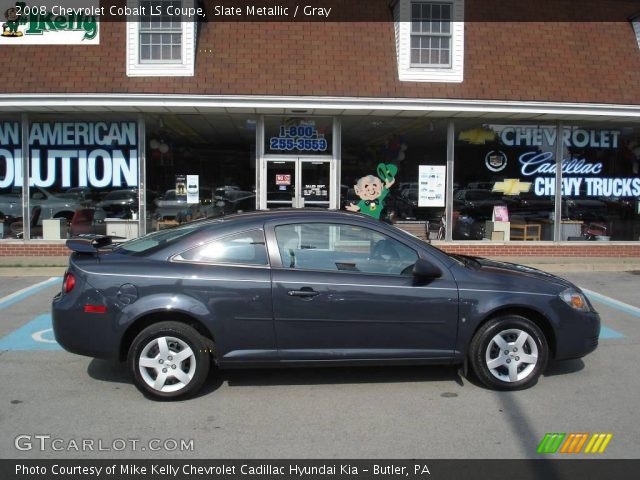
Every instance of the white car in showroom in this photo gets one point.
(53, 206)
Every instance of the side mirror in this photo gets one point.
(426, 269)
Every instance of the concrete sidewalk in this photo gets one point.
(55, 266)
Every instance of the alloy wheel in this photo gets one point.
(167, 364)
(511, 355)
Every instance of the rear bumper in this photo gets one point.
(89, 334)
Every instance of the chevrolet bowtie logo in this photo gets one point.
(477, 136)
(512, 186)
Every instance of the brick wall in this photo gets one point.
(482, 249)
(537, 61)
(533, 249)
(36, 248)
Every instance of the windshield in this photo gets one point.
(155, 240)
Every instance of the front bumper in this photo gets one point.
(578, 335)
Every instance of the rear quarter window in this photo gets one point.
(157, 240)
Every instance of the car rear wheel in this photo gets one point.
(169, 360)
(509, 353)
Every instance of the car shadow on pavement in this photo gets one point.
(108, 371)
(116, 372)
(563, 367)
(338, 375)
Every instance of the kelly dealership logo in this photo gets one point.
(26, 24)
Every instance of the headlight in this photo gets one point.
(575, 299)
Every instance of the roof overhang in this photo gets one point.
(307, 105)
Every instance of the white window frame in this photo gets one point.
(635, 23)
(408, 72)
(171, 68)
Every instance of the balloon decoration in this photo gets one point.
(394, 149)
(159, 151)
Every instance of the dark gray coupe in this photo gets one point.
(301, 287)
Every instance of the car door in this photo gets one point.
(230, 275)
(346, 291)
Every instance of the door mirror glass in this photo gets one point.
(425, 269)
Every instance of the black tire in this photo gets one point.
(148, 344)
(515, 370)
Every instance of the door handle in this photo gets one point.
(304, 293)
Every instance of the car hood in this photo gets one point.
(521, 271)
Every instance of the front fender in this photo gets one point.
(476, 307)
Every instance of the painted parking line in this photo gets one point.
(35, 335)
(20, 295)
(612, 302)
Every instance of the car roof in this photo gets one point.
(291, 214)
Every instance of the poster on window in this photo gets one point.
(283, 180)
(193, 189)
(181, 188)
(431, 185)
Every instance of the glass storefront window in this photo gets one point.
(601, 181)
(394, 168)
(199, 166)
(10, 177)
(83, 173)
(504, 181)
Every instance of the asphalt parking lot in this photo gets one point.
(399, 412)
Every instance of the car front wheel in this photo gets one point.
(509, 353)
(169, 360)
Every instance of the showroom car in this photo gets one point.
(310, 287)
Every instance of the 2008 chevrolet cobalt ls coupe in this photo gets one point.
(300, 287)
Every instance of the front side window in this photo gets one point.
(431, 34)
(247, 248)
(345, 248)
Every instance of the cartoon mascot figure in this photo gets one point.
(10, 27)
(373, 190)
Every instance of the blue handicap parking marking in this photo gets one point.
(35, 335)
(606, 332)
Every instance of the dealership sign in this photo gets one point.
(71, 154)
(571, 137)
(580, 176)
(66, 22)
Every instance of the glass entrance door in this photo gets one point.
(280, 183)
(314, 183)
(296, 182)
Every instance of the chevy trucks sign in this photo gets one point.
(64, 22)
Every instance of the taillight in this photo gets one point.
(69, 282)
(95, 309)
